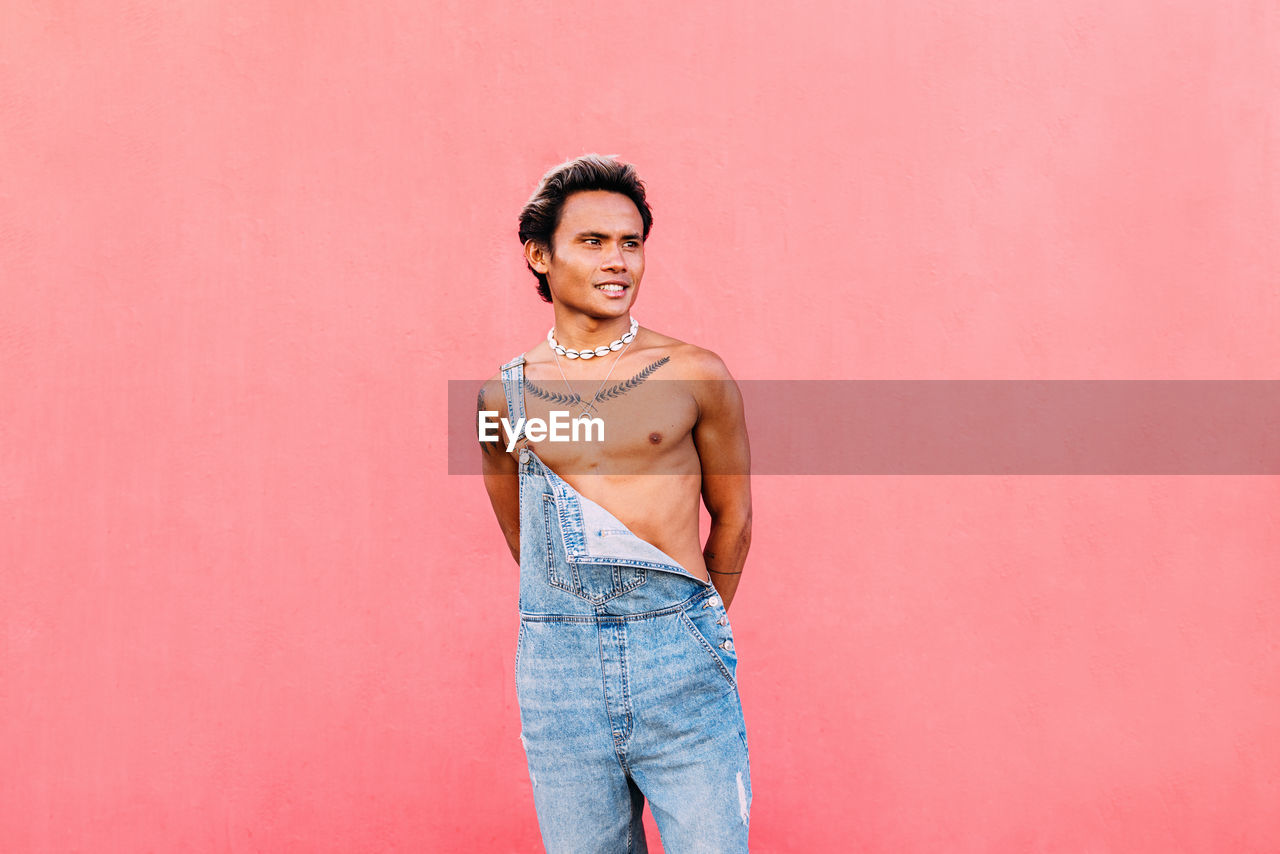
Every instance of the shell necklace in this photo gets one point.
(602, 350)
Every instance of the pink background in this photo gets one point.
(244, 246)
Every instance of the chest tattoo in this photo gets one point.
(616, 390)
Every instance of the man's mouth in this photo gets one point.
(611, 288)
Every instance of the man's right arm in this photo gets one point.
(501, 475)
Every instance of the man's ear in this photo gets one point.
(537, 255)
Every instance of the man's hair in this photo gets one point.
(541, 215)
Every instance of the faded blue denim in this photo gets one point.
(626, 678)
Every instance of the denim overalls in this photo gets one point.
(626, 680)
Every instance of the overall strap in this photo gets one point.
(513, 387)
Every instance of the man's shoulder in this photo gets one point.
(492, 390)
(693, 362)
(491, 396)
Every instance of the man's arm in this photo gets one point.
(720, 436)
(501, 474)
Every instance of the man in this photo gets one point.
(625, 665)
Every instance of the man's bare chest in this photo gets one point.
(635, 424)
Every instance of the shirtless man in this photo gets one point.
(626, 673)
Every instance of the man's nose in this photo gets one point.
(614, 259)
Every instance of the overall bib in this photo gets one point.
(626, 680)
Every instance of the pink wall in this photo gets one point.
(244, 246)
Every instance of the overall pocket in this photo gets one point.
(703, 627)
(595, 583)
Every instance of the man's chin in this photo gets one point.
(611, 310)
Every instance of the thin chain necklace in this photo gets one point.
(591, 403)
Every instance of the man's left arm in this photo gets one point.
(720, 436)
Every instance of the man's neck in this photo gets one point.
(581, 332)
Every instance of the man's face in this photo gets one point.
(598, 254)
